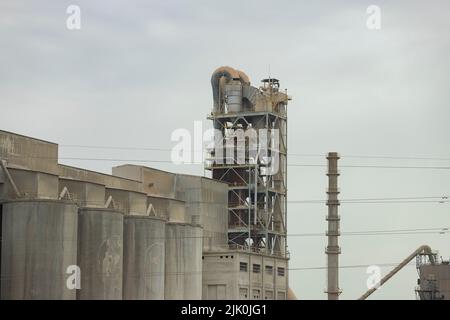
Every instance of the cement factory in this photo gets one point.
(146, 234)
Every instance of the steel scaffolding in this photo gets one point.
(256, 197)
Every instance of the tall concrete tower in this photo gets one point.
(333, 250)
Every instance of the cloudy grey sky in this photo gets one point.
(134, 73)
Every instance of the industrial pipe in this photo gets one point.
(425, 249)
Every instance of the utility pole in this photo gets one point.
(333, 250)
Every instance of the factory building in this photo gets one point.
(144, 233)
(132, 238)
(434, 279)
(249, 155)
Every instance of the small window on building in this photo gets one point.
(243, 293)
(243, 266)
(256, 294)
(280, 271)
(256, 268)
(269, 270)
(269, 295)
(281, 295)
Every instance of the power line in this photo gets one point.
(201, 163)
(441, 232)
(375, 202)
(390, 198)
(425, 199)
(112, 147)
(198, 272)
(352, 266)
(374, 166)
(436, 230)
(289, 154)
(440, 200)
(187, 272)
(396, 157)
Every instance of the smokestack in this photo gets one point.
(333, 250)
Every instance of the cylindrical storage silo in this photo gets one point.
(174, 264)
(100, 253)
(233, 92)
(143, 258)
(39, 243)
(193, 246)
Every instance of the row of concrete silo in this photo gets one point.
(119, 256)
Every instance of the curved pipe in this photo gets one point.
(422, 249)
(244, 77)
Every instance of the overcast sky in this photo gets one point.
(133, 74)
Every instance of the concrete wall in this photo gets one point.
(223, 277)
(31, 185)
(207, 205)
(84, 194)
(100, 253)
(169, 209)
(183, 274)
(154, 182)
(174, 263)
(69, 172)
(144, 258)
(129, 202)
(26, 152)
(39, 243)
(193, 262)
(219, 276)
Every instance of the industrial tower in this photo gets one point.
(333, 250)
(253, 167)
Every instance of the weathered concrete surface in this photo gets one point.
(206, 200)
(207, 205)
(192, 262)
(31, 185)
(169, 209)
(154, 182)
(100, 253)
(264, 277)
(84, 194)
(129, 202)
(39, 242)
(69, 172)
(183, 274)
(29, 153)
(174, 263)
(144, 258)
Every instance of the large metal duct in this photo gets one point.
(100, 253)
(228, 81)
(143, 258)
(39, 242)
(233, 94)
